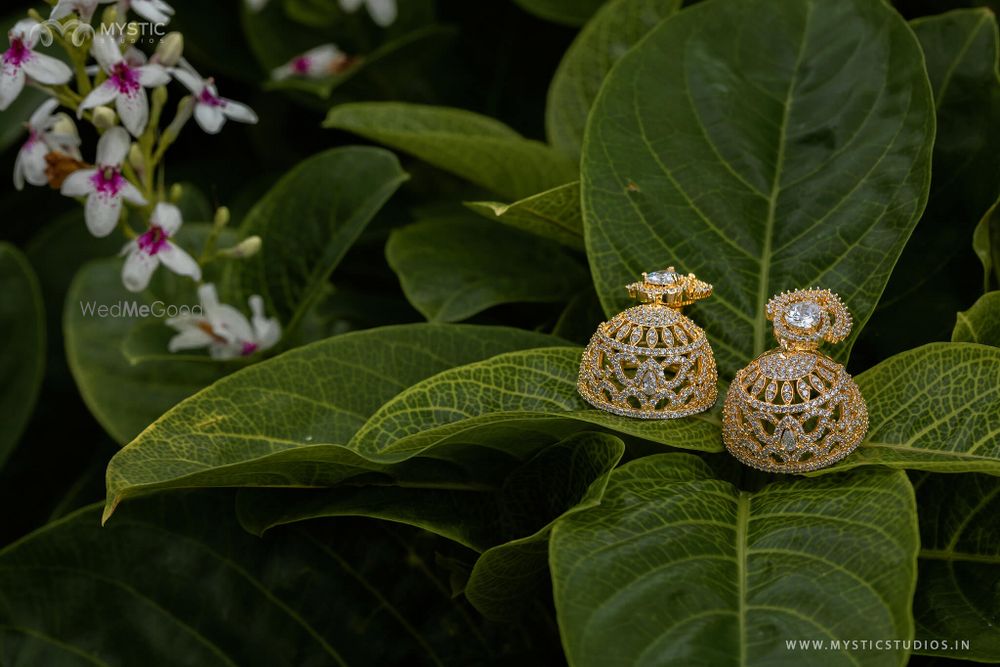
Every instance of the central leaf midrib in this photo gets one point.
(763, 285)
(742, 521)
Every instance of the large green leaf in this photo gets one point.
(606, 38)
(981, 323)
(557, 479)
(512, 401)
(676, 567)
(933, 408)
(957, 596)
(452, 269)
(554, 214)
(509, 523)
(570, 12)
(753, 145)
(307, 222)
(22, 344)
(284, 422)
(177, 581)
(932, 279)
(477, 148)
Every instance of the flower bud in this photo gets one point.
(104, 118)
(245, 249)
(176, 192)
(169, 50)
(132, 34)
(160, 96)
(110, 16)
(221, 217)
(136, 159)
(64, 129)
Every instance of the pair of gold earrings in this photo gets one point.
(792, 409)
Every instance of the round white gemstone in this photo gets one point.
(663, 277)
(804, 315)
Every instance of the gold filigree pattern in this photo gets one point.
(794, 409)
(650, 361)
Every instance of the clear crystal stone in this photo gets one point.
(804, 315)
(636, 336)
(622, 332)
(772, 391)
(668, 338)
(663, 277)
(651, 338)
(649, 383)
(788, 440)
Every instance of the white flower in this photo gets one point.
(125, 85)
(317, 63)
(383, 12)
(83, 8)
(47, 132)
(104, 187)
(21, 61)
(155, 11)
(211, 111)
(225, 331)
(146, 252)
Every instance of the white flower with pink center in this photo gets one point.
(105, 187)
(211, 110)
(47, 132)
(155, 11)
(153, 247)
(383, 12)
(125, 86)
(317, 63)
(21, 61)
(225, 331)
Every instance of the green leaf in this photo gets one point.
(177, 581)
(477, 148)
(986, 244)
(616, 28)
(284, 421)
(554, 214)
(569, 12)
(556, 479)
(307, 222)
(981, 323)
(22, 345)
(452, 269)
(508, 576)
(932, 278)
(956, 595)
(512, 400)
(676, 567)
(933, 408)
(753, 145)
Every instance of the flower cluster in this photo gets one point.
(126, 180)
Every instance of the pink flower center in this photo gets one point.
(33, 137)
(210, 98)
(126, 79)
(17, 53)
(248, 349)
(153, 240)
(108, 181)
(301, 65)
